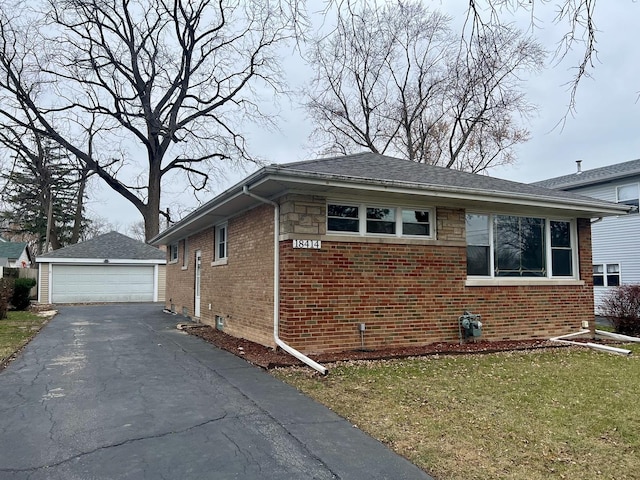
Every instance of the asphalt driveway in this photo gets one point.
(116, 392)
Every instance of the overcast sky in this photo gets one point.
(604, 129)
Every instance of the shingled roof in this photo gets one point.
(375, 167)
(593, 176)
(12, 250)
(375, 174)
(112, 245)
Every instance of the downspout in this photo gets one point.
(595, 346)
(276, 286)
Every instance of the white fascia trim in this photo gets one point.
(455, 194)
(39, 283)
(101, 261)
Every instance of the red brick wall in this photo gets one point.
(241, 292)
(406, 293)
(414, 294)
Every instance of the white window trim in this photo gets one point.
(171, 258)
(217, 260)
(618, 187)
(362, 219)
(491, 279)
(604, 274)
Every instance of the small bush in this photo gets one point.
(6, 291)
(622, 307)
(21, 293)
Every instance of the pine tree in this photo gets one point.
(44, 182)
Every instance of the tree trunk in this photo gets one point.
(78, 216)
(151, 211)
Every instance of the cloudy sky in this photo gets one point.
(603, 130)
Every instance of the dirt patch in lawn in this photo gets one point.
(266, 357)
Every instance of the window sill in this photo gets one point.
(185, 268)
(511, 282)
(217, 263)
(173, 262)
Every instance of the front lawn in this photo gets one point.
(561, 413)
(16, 331)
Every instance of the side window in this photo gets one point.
(478, 245)
(598, 275)
(561, 254)
(613, 274)
(173, 252)
(628, 194)
(221, 242)
(381, 220)
(416, 222)
(342, 218)
(606, 274)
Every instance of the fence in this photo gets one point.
(10, 272)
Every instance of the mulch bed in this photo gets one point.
(267, 358)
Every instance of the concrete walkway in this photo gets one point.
(116, 392)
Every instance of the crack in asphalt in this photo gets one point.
(114, 445)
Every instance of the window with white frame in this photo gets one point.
(379, 220)
(628, 195)
(606, 274)
(185, 254)
(518, 246)
(173, 252)
(221, 242)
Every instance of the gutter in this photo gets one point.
(276, 286)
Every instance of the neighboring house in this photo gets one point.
(15, 254)
(316, 251)
(109, 268)
(616, 258)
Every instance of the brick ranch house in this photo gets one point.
(402, 247)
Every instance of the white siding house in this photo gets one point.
(615, 240)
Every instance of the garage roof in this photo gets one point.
(112, 245)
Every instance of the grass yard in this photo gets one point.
(561, 413)
(16, 331)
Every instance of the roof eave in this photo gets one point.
(596, 207)
(103, 260)
(272, 180)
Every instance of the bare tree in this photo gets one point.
(167, 86)
(580, 33)
(395, 79)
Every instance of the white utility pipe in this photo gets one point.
(617, 336)
(596, 346)
(276, 287)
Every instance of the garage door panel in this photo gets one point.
(102, 283)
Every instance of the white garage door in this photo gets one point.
(101, 283)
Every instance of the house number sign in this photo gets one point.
(315, 244)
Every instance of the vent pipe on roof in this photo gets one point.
(579, 166)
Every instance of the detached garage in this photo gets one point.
(108, 268)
